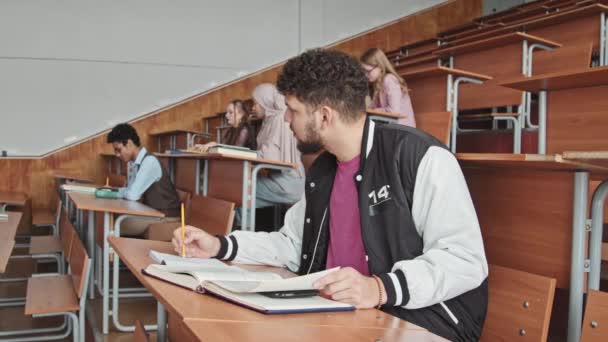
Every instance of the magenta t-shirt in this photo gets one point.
(345, 243)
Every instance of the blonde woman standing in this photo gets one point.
(389, 91)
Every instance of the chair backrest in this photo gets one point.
(564, 58)
(140, 334)
(213, 215)
(66, 234)
(79, 263)
(186, 198)
(595, 325)
(437, 124)
(519, 305)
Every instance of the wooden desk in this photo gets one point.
(209, 330)
(598, 211)
(573, 26)
(176, 139)
(221, 176)
(436, 90)
(6, 249)
(12, 198)
(8, 230)
(532, 210)
(182, 303)
(124, 208)
(577, 102)
(378, 115)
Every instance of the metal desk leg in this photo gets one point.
(161, 319)
(542, 122)
(577, 267)
(197, 179)
(245, 197)
(106, 274)
(597, 227)
(205, 176)
(91, 250)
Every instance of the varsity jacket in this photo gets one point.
(418, 225)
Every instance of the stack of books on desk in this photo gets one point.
(79, 188)
(264, 292)
(228, 150)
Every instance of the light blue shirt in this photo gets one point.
(143, 172)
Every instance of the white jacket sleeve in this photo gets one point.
(453, 260)
(280, 249)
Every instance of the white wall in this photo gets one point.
(72, 68)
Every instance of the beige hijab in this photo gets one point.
(275, 139)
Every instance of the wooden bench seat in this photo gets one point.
(45, 244)
(50, 294)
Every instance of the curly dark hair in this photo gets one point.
(122, 133)
(324, 77)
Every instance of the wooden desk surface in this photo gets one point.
(6, 249)
(386, 114)
(204, 155)
(108, 155)
(118, 206)
(13, 198)
(210, 330)
(173, 131)
(569, 79)
(188, 304)
(599, 158)
(66, 175)
(8, 229)
(492, 42)
(553, 162)
(442, 71)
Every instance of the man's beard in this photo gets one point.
(309, 147)
(313, 143)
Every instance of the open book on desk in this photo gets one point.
(243, 287)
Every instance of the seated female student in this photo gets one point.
(240, 132)
(390, 93)
(276, 142)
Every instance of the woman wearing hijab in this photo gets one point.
(276, 141)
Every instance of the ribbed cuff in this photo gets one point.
(228, 248)
(395, 284)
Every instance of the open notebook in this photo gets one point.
(241, 286)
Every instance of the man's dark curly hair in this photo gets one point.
(324, 77)
(122, 133)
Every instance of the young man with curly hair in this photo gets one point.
(386, 202)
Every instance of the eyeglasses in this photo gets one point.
(369, 71)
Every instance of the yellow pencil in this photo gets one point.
(183, 233)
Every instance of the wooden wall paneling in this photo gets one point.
(409, 29)
(525, 218)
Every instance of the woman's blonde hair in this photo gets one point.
(376, 58)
